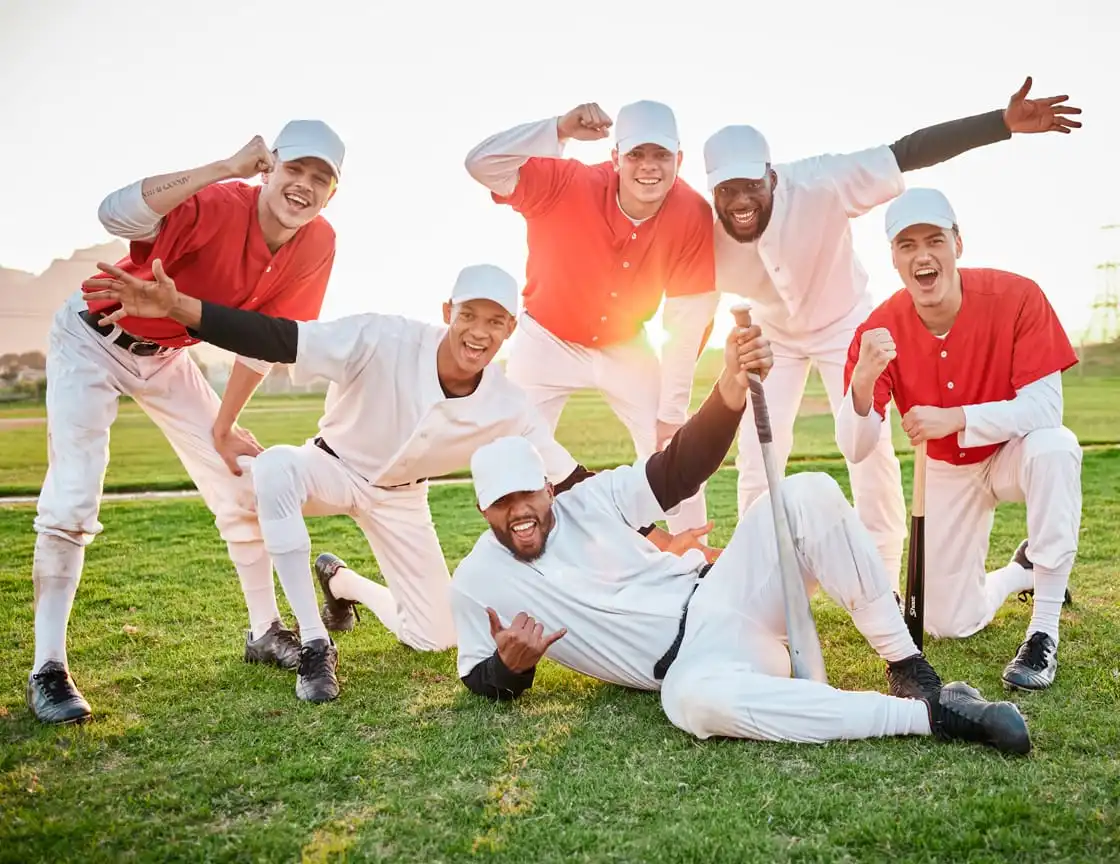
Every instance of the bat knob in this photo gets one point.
(742, 313)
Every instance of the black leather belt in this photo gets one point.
(325, 447)
(661, 667)
(129, 343)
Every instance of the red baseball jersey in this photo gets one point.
(593, 277)
(212, 246)
(1006, 336)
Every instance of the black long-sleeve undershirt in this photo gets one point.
(674, 474)
(250, 334)
(940, 143)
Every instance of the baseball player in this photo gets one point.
(407, 401)
(606, 243)
(811, 296)
(973, 360)
(564, 574)
(263, 247)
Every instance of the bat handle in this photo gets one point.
(742, 313)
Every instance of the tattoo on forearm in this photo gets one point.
(170, 184)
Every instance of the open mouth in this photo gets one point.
(744, 218)
(523, 529)
(297, 201)
(473, 351)
(649, 182)
(926, 277)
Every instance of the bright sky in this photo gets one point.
(96, 95)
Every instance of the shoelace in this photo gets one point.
(1036, 651)
(57, 684)
(313, 662)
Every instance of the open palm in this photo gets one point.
(138, 298)
(1039, 115)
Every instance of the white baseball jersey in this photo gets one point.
(802, 274)
(386, 414)
(620, 598)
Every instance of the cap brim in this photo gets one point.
(294, 152)
(463, 298)
(525, 485)
(625, 145)
(902, 224)
(737, 171)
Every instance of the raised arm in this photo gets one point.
(134, 212)
(935, 144)
(497, 162)
(698, 448)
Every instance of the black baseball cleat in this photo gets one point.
(277, 647)
(1035, 664)
(961, 714)
(316, 680)
(913, 678)
(1020, 558)
(338, 615)
(53, 697)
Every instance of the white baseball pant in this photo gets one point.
(294, 482)
(876, 481)
(86, 376)
(1042, 469)
(628, 375)
(731, 675)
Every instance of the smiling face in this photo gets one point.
(645, 175)
(925, 256)
(522, 521)
(476, 330)
(744, 206)
(295, 192)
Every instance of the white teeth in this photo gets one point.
(744, 217)
(522, 527)
(474, 347)
(647, 181)
(297, 200)
(926, 271)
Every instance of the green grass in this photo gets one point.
(195, 756)
(141, 458)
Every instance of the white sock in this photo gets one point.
(255, 573)
(294, 570)
(1049, 592)
(1001, 584)
(348, 585)
(55, 573)
(883, 627)
(913, 717)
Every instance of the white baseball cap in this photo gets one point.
(506, 465)
(646, 123)
(736, 153)
(486, 282)
(919, 207)
(302, 138)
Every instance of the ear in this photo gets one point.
(959, 244)
(511, 325)
(551, 490)
(614, 158)
(773, 179)
(447, 313)
(680, 159)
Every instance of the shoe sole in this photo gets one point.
(1024, 688)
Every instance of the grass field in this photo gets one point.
(194, 756)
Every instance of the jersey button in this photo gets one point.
(633, 236)
(604, 318)
(625, 265)
(962, 455)
(950, 385)
(944, 353)
(594, 338)
(268, 269)
(614, 293)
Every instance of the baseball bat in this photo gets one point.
(804, 643)
(916, 559)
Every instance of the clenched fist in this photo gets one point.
(586, 122)
(522, 644)
(876, 351)
(252, 159)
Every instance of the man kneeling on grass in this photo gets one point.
(568, 575)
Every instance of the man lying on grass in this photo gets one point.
(569, 576)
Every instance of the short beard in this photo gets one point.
(505, 538)
(732, 229)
